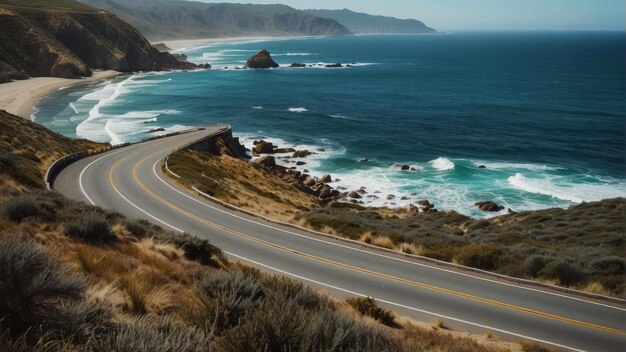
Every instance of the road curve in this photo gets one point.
(130, 181)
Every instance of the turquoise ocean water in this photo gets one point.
(544, 112)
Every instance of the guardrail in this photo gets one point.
(55, 169)
(439, 263)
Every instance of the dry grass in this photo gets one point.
(439, 324)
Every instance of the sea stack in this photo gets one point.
(262, 59)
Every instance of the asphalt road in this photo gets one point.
(130, 181)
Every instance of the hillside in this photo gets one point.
(64, 38)
(172, 19)
(362, 23)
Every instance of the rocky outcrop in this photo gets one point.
(263, 147)
(266, 161)
(301, 154)
(488, 206)
(334, 65)
(69, 44)
(297, 65)
(261, 60)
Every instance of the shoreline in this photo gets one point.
(178, 45)
(19, 97)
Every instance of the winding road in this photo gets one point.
(130, 181)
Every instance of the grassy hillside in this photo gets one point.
(582, 247)
(63, 38)
(75, 277)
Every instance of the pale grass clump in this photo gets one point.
(103, 263)
(155, 259)
(107, 294)
(408, 248)
(597, 288)
(383, 241)
(169, 251)
(439, 324)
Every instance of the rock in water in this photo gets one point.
(262, 59)
(488, 206)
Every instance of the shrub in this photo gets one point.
(566, 273)
(367, 306)
(150, 333)
(20, 208)
(482, 256)
(609, 266)
(196, 249)
(81, 321)
(91, 228)
(233, 293)
(32, 284)
(282, 288)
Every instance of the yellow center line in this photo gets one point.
(343, 265)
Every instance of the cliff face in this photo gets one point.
(173, 19)
(69, 43)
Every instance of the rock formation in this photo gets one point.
(488, 206)
(261, 60)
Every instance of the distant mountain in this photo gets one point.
(362, 23)
(64, 38)
(174, 19)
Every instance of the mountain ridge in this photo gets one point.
(172, 19)
(363, 23)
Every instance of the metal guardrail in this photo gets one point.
(55, 169)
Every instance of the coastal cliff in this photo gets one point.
(69, 42)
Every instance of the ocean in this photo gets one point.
(543, 112)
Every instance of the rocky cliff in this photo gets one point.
(70, 42)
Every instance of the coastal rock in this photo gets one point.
(334, 65)
(266, 161)
(424, 203)
(354, 195)
(488, 206)
(263, 147)
(154, 130)
(261, 60)
(300, 163)
(297, 65)
(284, 150)
(326, 178)
(364, 160)
(301, 154)
(204, 66)
(482, 167)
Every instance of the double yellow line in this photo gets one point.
(339, 264)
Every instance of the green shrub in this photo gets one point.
(566, 273)
(20, 208)
(196, 248)
(233, 293)
(613, 265)
(32, 286)
(482, 256)
(91, 228)
(284, 289)
(148, 334)
(367, 306)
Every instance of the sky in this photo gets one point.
(484, 14)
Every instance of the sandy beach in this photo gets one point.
(178, 45)
(18, 97)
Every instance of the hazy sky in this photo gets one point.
(484, 14)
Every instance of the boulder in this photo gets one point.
(334, 65)
(284, 150)
(154, 130)
(300, 163)
(424, 203)
(354, 195)
(266, 161)
(482, 167)
(391, 197)
(261, 60)
(301, 154)
(263, 147)
(364, 160)
(205, 66)
(405, 167)
(488, 206)
(297, 65)
(326, 178)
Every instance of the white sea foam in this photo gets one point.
(298, 110)
(442, 164)
(503, 165)
(257, 107)
(560, 188)
(73, 107)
